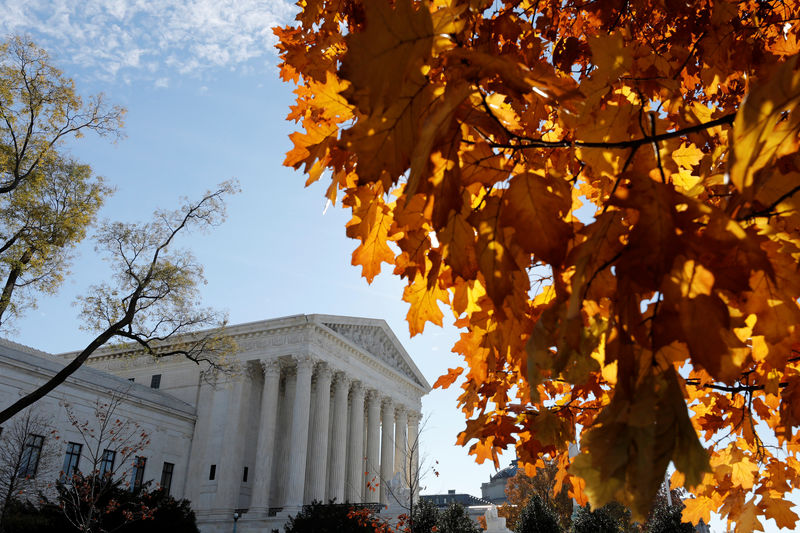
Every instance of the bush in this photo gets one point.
(25, 517)
(454, 519)
(330, 518)
(537, 517)
(599, 521)
(117, 508)
(425, 517)
(667, 519)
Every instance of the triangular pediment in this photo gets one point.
(375, 340)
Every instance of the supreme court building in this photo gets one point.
(322, 407)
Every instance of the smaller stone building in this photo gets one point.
(167, 421)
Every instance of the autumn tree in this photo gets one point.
(605, 195)
(153, 295)
(47, 200)
(521, 488)
(109, 444)
(41, 221)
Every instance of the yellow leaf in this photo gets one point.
(698, 508)
(385, 58)
(370, 224)
(687, 156)
(329, 101)
(424, 307)
(760, 132)
(687, 183)
(744, 473)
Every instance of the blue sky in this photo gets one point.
(205, 104)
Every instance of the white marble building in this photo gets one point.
(169, 421)
(323, 407)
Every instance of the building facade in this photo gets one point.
(318, 407)
(168, 422)
(321, 407)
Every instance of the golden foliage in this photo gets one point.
(606, 196)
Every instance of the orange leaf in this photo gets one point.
(446, 380)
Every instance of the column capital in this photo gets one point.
(341, 378)
(323, 370)
(270, 367)
(401, 410)
(357, 387)
(305, 363)
(414, 417)
(373, 395)
(388, 404)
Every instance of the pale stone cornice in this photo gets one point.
(292, 330)
(95, 381)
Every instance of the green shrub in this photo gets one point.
(537, 517)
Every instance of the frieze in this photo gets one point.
(340, 352)
(372, 339)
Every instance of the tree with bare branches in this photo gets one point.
(154, 292)
(27, 458)
(111, 445)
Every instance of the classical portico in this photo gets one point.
(322, 407)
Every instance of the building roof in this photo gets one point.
(18, 355)
(444, 500)
(507, 472)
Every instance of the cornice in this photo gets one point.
(296, 329)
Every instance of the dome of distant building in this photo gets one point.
(495, 490)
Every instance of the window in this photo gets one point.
(30, 455)
(107, 462)
(244, 475)
(166, 476)
(72, 459)
(138, 472)
(155, 381)
(213, 472)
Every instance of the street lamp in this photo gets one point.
(235, 519)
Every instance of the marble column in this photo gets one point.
(355, 449)
(387, 446)
(371, 490)
(400, 441)
(317, 464)
(265, 444)
(198, 456)
(283, 439)
(336, 479)
(299, 433)
(413, 453)
(229, 468)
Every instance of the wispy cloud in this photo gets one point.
(117, 39)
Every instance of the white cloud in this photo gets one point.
(150, 38)
(162, 83)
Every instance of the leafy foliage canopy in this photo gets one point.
(605, 195)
